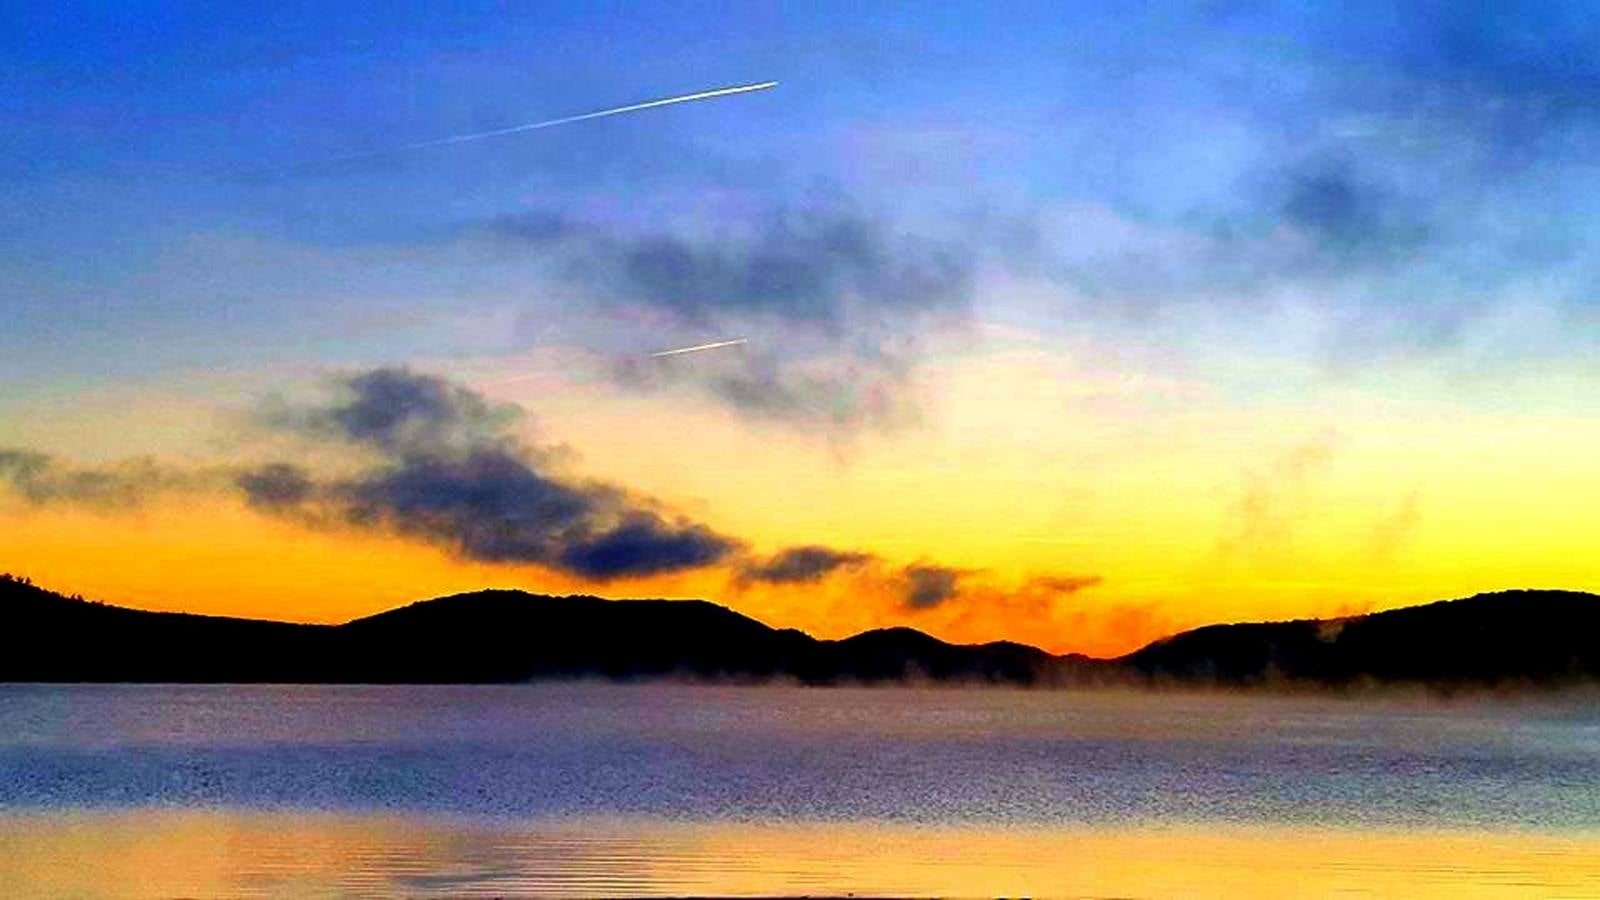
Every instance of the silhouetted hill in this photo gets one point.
(1506, 638)
(513, 636)
(894, 654)
(488, 636)
(1518, 638)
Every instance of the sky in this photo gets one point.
(1072, 324)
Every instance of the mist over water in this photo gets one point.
(726, 772)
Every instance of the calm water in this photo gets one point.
(601, 789)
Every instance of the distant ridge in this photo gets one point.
(1512, 638)
(1503, 639)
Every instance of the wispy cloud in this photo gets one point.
(835, 300)
(42, 479)
(1274, 498)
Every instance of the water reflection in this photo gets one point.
(163, 853)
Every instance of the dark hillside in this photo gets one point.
(1511, 637)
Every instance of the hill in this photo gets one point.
(1505, 638)
(1518, 638)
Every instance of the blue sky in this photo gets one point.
(1412, 167)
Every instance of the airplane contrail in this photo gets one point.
(564, 120)
(697, 348)
(529, 376)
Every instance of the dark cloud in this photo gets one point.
(644, 544)
(929, 586)
(449, 469)
(41, 479)
(802, 565)
(821, 268)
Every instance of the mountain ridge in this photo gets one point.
(1525, 638)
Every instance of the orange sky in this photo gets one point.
(1161, 503)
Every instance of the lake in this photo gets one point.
(596, 789)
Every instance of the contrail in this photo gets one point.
(697, 348)
(550, 123)
(526, 376)
(529, 376)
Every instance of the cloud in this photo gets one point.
(928, 586)
(943, 598)
(1350, 217)
(276, 487)
(827, 268)
(446, 466)
(832, 300)
(40, 479)
(399, 412)
(1395, 530)
(805, 564)
(1047, 611)
(1272, 501)
(1406, 179)
(643, 544)
(1061, 584)
(863, 387)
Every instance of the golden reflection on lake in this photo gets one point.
(165, 853)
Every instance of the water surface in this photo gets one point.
(605, 789)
